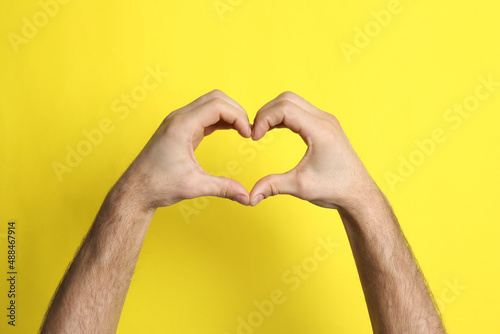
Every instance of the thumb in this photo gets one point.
(225, 188)
(272, 185)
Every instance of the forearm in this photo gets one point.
(91, 296)
(395, 290)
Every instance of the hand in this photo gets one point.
(166, 171)
(330, 174)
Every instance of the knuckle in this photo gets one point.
(222, 193)
(223, 189)
(273, 186)
(334, 120)
(287, 95)
(174, 121)
(326, 127)
(170, 116)
(175, 125)
(273, 191)
(216, 93)
(285, 106)
(217, 103)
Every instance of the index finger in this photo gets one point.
(216, 93)
(301, 102)
(219, 111)
(288, 114)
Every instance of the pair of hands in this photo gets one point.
(166, 171)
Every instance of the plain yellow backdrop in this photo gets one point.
(395, 73)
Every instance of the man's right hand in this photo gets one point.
(330, 174)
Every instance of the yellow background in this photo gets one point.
(199, 274)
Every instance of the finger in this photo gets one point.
(216, 93)
(273, 185)
(298, 100)
(218, 110)
(223, 187)
(288, 114)
(203, 100)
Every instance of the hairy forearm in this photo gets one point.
(91, 296)
(395, 290)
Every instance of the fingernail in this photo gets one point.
(241, 199)
(257, 199)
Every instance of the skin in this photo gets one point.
(91, 295)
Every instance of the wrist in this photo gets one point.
(367, 204)
(129, 192)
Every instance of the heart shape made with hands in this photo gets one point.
(266, 186)
(326, 175)
(320, 131)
